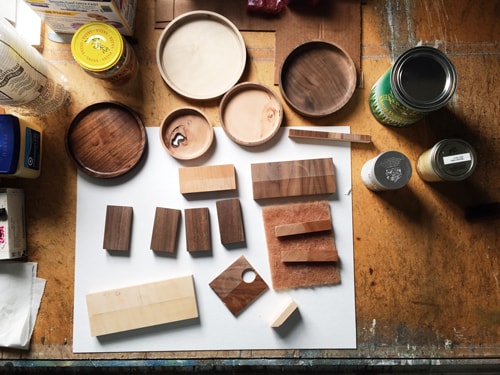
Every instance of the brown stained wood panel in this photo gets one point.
(198, 235)
(117, 228)
(293, 178)
(236, 293)
(302, 227)
(309, 255)
(165, 230)
(141, 306)
(333, 136)
(229, 215)
(207, 178)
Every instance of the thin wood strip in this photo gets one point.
(303, 227)
(207, 178)
(344, 137)
(306, 255)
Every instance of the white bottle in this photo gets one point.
(29, 85)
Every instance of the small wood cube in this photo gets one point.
(165, 230)
(118, 226)
(198, 235)
(230, 221)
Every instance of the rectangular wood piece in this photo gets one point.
(117, 228)
(207, 178)
(303, 227)
(165, 229)
(198, 235)
(308, 254)
(140, 306)
(293, 178)
(230, 219)
(313, 134)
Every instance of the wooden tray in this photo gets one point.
(201, 55)
(317, 78)
(106, 140)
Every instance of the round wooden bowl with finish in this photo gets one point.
(317, 78)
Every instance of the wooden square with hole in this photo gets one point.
(233, 290)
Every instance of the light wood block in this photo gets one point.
(165, 230)
(284, 314)
(117, 228)
(198, 235)
(284, 230)
(344, 137)
(309, 255)
(236, 293)
(230, 219)
(293, 178)
(140, 306)
(207, 178)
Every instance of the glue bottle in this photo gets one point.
(20, 147)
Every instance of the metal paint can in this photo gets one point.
(421, 81)
(103, 53)
(448, 160)
(389, 170)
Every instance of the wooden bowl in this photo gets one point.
(250, 113)
(201, 55)
(106, 140)
(317, 78)
(186, 133)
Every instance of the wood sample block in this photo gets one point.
(140, 306)
(281, 318)
(344, 137)
(165, 229)
(207, 178)
(198, 235)
(309, 255)
(293, 178)
(235, 292)
(231, 227)
(287, 275)
(117, 228)
(303, 227)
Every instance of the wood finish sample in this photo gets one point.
(233, 290)
(207, 178)
(198, 235)
(117, 229)
(230, 218)
(293, 178)
(306, 254)
(312, 226)
(281, 318)
(333, 136)
(140, 306)
(165, 229)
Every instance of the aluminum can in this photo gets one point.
(448, 160)
(389, 170)
(103, 53)
(421, 81)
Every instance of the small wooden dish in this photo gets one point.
(106, 140)
(250, 114)
(317, 78)
(201, 55)
(186, 133)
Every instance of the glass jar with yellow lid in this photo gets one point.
(103, 53)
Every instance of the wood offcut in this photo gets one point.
(230, 219)
(293, 178)
(312, 226)
(117, 228)
(198, 235)
(207, 178)
(165, 229)
(332, 136)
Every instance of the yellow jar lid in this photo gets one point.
(97, 46)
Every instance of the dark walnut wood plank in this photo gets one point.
(293, 178)
(117, 228)
(165, 230)
(230, 219)
(198, 235)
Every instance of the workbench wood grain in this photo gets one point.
(427, 279)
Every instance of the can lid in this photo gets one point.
(97, 46)
(453, 159)
(423, 78)
(392, 170)
(10, 138)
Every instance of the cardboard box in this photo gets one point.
(66, 16)
(12, 224)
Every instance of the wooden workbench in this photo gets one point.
(426, 278)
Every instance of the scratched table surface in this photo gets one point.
(427, 277)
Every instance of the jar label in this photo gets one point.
(459, 158)
(32, 149)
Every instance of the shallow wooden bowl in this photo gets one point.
(250, 113)
(186, 133)
(106, 140)
(317, 78)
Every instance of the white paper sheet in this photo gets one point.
(326, 316)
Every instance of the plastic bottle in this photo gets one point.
(29, 85)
